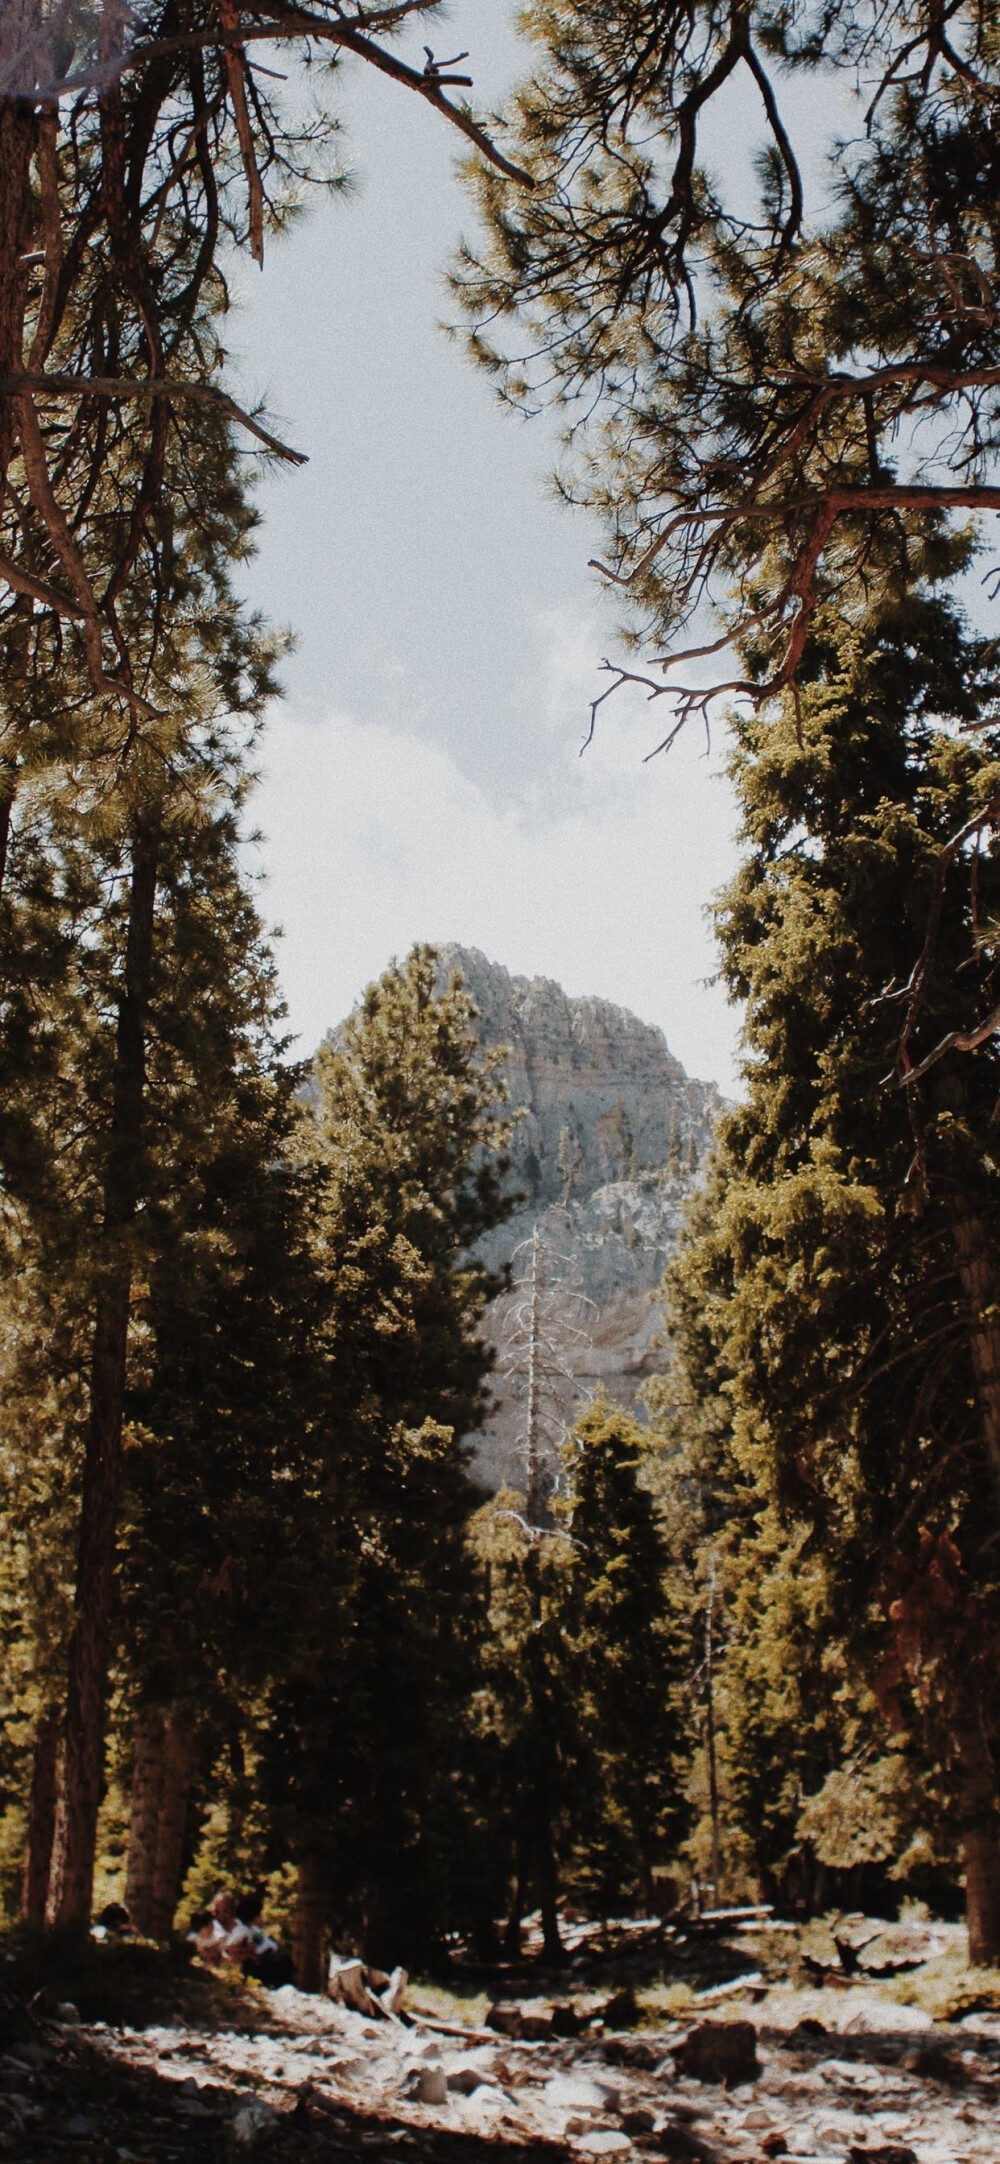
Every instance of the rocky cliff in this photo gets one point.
(607, 1144)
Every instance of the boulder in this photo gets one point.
(253, 2123)
(634, 2051)
(574, 2092)
(683, 2146)
(808, 2031)
(720, 2051)
(537, 2024)
(887, 2152)
(620, 2011)
(465, 2080)
(426, 2085)
(638, 2120)
(505, 2017)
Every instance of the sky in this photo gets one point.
(421, 777)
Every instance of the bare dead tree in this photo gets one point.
(541, 1330)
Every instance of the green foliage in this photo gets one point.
(829, 1378)
(746, 351)
(580, 1673)
(360, 1737)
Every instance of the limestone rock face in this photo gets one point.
(607, 1146)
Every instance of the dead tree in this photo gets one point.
(541, 1331)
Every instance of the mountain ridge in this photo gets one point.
(606, 1149)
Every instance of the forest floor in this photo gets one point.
(862, 2044)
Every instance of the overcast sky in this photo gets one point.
(421, 777)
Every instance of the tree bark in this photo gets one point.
(512, 1934)
(178, 1765)
(6, 814)
(71, 1887)
(41, 1820)
(17, 142)
(980, 1283)
(980, 1831)
(144, 1817)
(309, 1924)
(548, 1890)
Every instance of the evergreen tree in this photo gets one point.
(580, 1681)
(361, 1746)
(224, 1311)
(624, 1653)
(99, 1130)
(834, 1310)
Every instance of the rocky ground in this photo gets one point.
(833, 2073)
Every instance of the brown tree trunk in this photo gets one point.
(72, 1879)
(6, 813)
(17, 142)
(512, 1934)
(178, 1765)
(309, 1925)
(41, 1820)
(548, 1889)
(144, 1817)
(980, 1282)
(980, 1831)
(980, 1817)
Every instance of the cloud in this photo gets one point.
(597, 874)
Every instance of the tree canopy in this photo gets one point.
(769, 390)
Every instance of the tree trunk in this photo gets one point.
(161, 1784)
(178, 1764)
(980, 1282)
(41, 1820)
(980, 1830)
(309, 1924)
(144, 1817)
(17, 142)
(6, 814)
(548, 1884)
(72, 1881)
(512, 1934)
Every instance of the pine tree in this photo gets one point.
(360, 1742)
(624, 1656)
(581, 1674)
(84, 1164)
(834, 1307)
(224, 1295)
(741, 358)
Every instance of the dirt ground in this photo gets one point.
(894, 2061)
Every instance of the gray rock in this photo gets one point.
(465, 2080)
(573, 2092)
(67, 2014)
(426, 2085)
(252, 2124)
(720, 2051)
(505, 2017)
(638, 1125)
(80, 2125)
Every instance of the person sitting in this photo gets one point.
(204, 1935)
(236, 1941)
(266, 1962)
